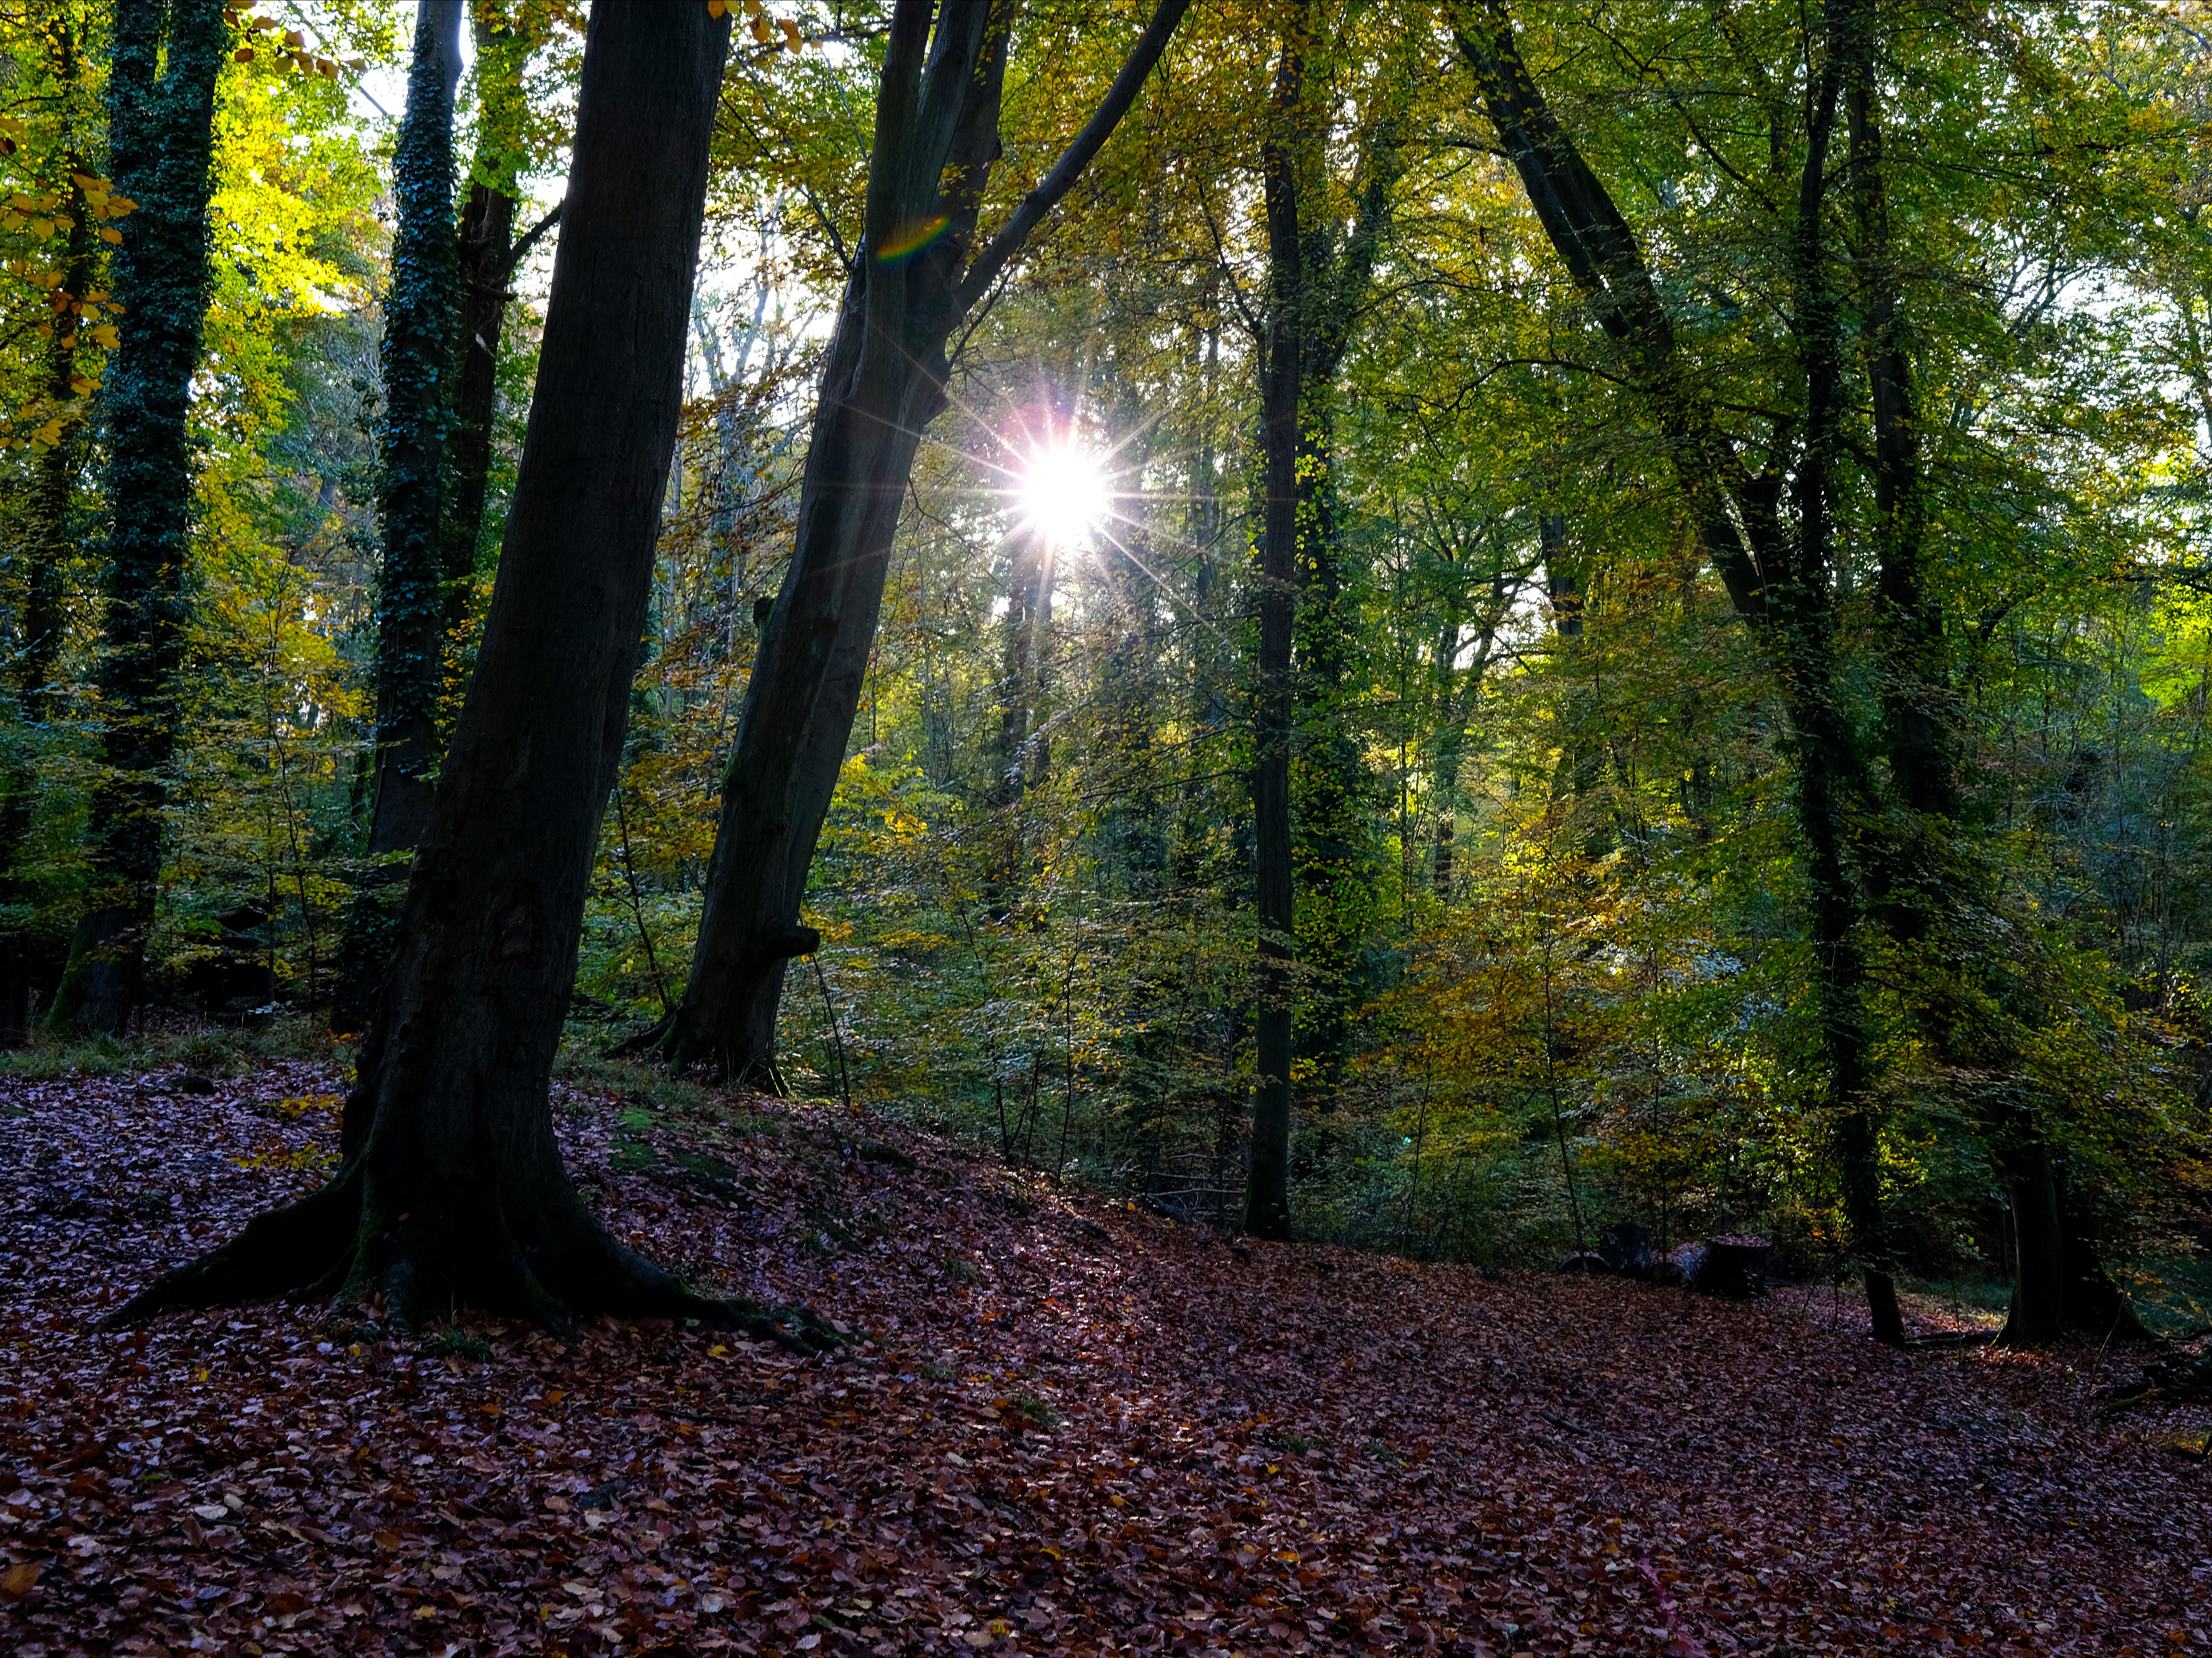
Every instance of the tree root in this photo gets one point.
(323, 1246)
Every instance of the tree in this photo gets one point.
(916, 276)
(56, 510)
(1315, 292)
(161, 137)
(412, 598)
(452, 1186)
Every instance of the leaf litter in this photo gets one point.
(1062, 1425)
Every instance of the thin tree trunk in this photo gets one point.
(453, 1189)
(487, 255)
(1015, 771)
(1267, 1173)
(53, 533)
(411, 656)
(883, 381)
(161, 138)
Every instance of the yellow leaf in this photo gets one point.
(85, 181)
(110, 234)
(326, 69)
(106, 336)
(716, 8)
(19, 1580)
(295, 40)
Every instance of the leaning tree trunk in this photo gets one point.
(410, 603)
(452, 1187)
(913, 282)
(162, 140)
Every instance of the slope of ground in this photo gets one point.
(1065, 1427)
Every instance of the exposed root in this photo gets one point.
(279, 1252)
(321, 1247)
(648, 1040)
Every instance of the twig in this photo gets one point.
(636, 905)
(844, 1075)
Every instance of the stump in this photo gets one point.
(1626, 1250)
(1735, 1266)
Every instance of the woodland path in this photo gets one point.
(1075, 1429)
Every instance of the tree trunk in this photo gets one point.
(411, 620)
(1267, 1177)
(1017, 764)
(453, 1189)
(1783, 590)
(487, 254)
(882, 380)
(161, 138)
(53, 533)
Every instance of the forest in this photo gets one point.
(1196, 742)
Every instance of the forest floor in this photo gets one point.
(1065, 1427)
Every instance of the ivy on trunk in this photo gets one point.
(160, 105)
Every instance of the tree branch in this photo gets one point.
(1057, 182)
(515, 255)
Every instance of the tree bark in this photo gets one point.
(452, 1189)
(161, 99)
(883, 381)
(411, 631)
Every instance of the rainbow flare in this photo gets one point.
(912, 237)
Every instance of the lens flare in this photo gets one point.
(1062, 493)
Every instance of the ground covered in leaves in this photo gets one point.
(1065, 1427)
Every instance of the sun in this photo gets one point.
(1061, 493)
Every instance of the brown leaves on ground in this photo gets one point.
(1071, 1429)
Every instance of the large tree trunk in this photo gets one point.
(411, 607)
(883, 381)
(452, 1187)
(161, 139)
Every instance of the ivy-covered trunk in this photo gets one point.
(916, 276)
(411, 600)
(161, 105)
(489, 254)
(452, 1189)
(1311, 791)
